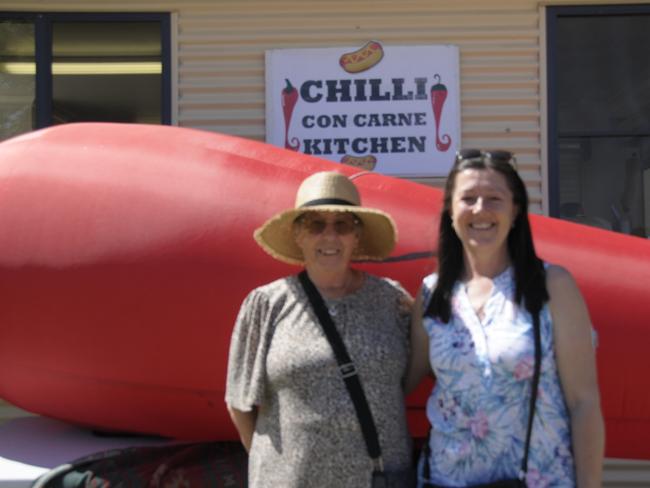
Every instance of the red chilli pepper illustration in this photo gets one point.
(289, 99)
(438, 97)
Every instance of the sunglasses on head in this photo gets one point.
(496, 155)
(317, 225)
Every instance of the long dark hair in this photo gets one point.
(530, 276)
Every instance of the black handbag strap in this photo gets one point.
(533, 392)
(346, 368)
(531, 412)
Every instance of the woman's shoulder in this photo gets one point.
(273, 292)
(565, 297)
(390, 289)
(558, 279)
(373, 280)
(429, 281)
(381, 280)
(276, 286)
(385, 286)
(426, 289)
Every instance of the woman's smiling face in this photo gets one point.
(327, 239)
(482, 209)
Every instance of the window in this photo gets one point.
(17, 90)
(58, 68)
(599, 129)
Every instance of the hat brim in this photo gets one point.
(378, 237)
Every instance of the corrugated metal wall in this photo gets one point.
(220, 46)
(221, 70)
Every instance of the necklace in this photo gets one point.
(478, 296)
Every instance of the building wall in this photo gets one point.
(220, 44)
(218, 60)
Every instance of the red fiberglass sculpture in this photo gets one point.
(126, 250)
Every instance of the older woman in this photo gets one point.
(473, 325)
(284, 390)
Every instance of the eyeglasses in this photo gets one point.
(496, 155)
(316, 225)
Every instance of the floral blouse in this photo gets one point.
(479, 408)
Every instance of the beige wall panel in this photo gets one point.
(221, 61)
(625, 473)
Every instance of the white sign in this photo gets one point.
(394, 109)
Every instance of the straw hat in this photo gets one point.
(328, 191)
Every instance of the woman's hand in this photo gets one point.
(419, 358)
(245, 424)
(577, 368)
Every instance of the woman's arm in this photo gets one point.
(245, 424)
(245, 377)
(419, 358)
(577, 368)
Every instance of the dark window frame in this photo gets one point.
(43, 53)
(552, 16)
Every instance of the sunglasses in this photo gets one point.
(316, 225)
(496, 155)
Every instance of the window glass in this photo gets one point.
(602, 101)
(106, 71)
(17, 77)
(605, 182)
(603, 73)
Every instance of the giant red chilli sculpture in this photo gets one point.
(126, 250)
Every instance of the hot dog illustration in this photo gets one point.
(363, 58)
(364, 162)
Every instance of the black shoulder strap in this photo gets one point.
(346, 367)
(533, 392)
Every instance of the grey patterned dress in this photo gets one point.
(307, 433)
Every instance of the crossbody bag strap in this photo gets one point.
(533, 392)
(347, 369)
